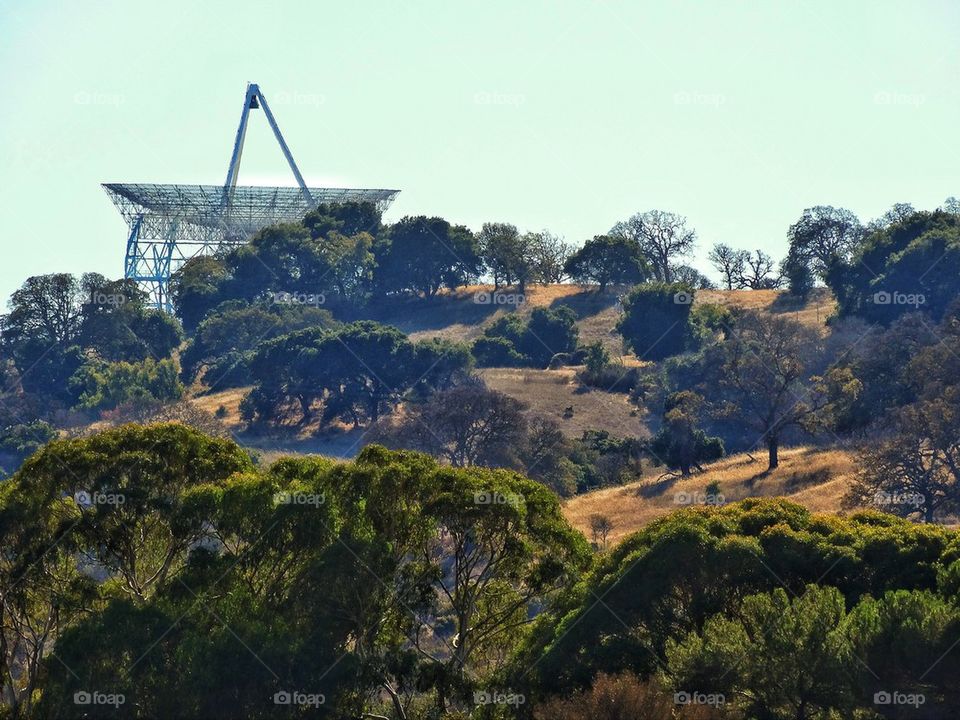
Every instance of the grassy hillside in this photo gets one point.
(550, 393)
(815, 478)
(556, 394)
(457, 316)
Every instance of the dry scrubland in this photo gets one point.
(815, 478)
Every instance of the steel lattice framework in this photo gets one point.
(169, 224)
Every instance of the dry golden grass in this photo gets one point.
(230, 400)
(814, 312)
(815, 478)
(550, 392)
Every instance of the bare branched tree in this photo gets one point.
(757, 272)
(663, 238)
(600, 527)
(549, 253)
(729, 262)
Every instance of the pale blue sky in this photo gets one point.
(560, 115)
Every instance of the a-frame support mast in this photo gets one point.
(253, 100)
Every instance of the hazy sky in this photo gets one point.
(560, 115)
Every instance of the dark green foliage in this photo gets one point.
(596, 357)
(822, 238)
(655, 322)
(348, 219)
(911, 264)
(221, 344)
(17, 442)
(45, 370)
(779, 653)
(604, 375)
(117, 325)
(606, 260)
(440, 364)
(799, 276)
(328, 258)
(196, 288)
(423, 255)
(496, 352)
(603, 460)
(57, 321)
(532, 341)
(355, 371)
(710, 322)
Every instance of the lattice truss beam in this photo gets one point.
(169, 224)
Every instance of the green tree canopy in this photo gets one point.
(608, 260)
(656, 319)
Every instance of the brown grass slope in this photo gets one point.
(813, 477)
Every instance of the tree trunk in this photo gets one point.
(305, 408)
(773, 446)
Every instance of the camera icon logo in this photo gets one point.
(282, 698)
(882, 298)
(82, 697)
(681, 698)
(882, 698)
(683, 298)
(82, 498)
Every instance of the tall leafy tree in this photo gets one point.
(356, 372)
(909, 265)
(823, 236)
(46, 308)
(608, 260)
(550, 254)
(198, 287)
(501, 250)
(423, 255)
(768, 363)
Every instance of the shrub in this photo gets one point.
(656, 320)
(528, 343)
(614, 377)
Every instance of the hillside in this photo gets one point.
(550, 393)
(457, 316)
(816, 478)
(556, 394)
